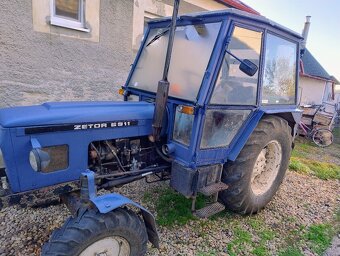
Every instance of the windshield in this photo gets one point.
(193, 45)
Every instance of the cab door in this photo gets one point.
(234, 99)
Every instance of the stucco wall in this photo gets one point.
(160, 8)
(37, 67)
(40, 62)
(312, 90)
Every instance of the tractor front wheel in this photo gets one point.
(256, 174)
(117, 233)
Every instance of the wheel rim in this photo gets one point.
(108, 246)
(266, 168)
(323, 137)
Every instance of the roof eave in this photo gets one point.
(242, 7)
(316, 77)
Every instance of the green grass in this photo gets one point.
(307, 158)
(264, 233)
(324, 171)
(319, 237)
(290, 251)
(244, 238)
(260, 251)
(173, 208)
(336, 132)
(255, 223)
(241, 238)
(321, 170)
(304, 149)
(267, 235)
(296, 165)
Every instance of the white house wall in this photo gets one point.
(40, 62)
(312, 90)
(161, 8)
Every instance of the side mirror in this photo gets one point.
(248, 67)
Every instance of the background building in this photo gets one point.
(52, 50)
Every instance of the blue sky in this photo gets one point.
(324, 34)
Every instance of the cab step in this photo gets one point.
(209, 210)
(213, 189)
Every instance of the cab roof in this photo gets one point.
(232, 12)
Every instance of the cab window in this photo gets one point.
(279, 71)
(233, 87)
(221, 126)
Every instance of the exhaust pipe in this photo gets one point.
(163, 85)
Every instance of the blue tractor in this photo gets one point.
(210, 103)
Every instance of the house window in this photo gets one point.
(69, 14)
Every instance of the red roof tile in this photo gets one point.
(239, 5)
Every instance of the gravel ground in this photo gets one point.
(301, 200)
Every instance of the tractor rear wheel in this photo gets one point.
(117, 233)
(256, 174)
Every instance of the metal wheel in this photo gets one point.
(322, 137)
(266, 168)
(109, 246)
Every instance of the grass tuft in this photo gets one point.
(298, 166)
(321, 170)
(173, 208)
(320, 237)
(241, 238)
(324, 171)
(290, 251)
(260, 251)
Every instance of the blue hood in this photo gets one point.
(74, 112)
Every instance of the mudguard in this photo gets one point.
(109, 202)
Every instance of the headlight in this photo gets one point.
(2, 162)
(39, 159)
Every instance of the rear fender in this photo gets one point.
(293, 119)
(109, 202)
(292, 116)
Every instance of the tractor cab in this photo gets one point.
(227, 70)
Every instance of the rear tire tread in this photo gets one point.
(237, 174)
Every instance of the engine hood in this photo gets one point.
(54, 113)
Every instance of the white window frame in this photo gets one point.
(65, 22)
